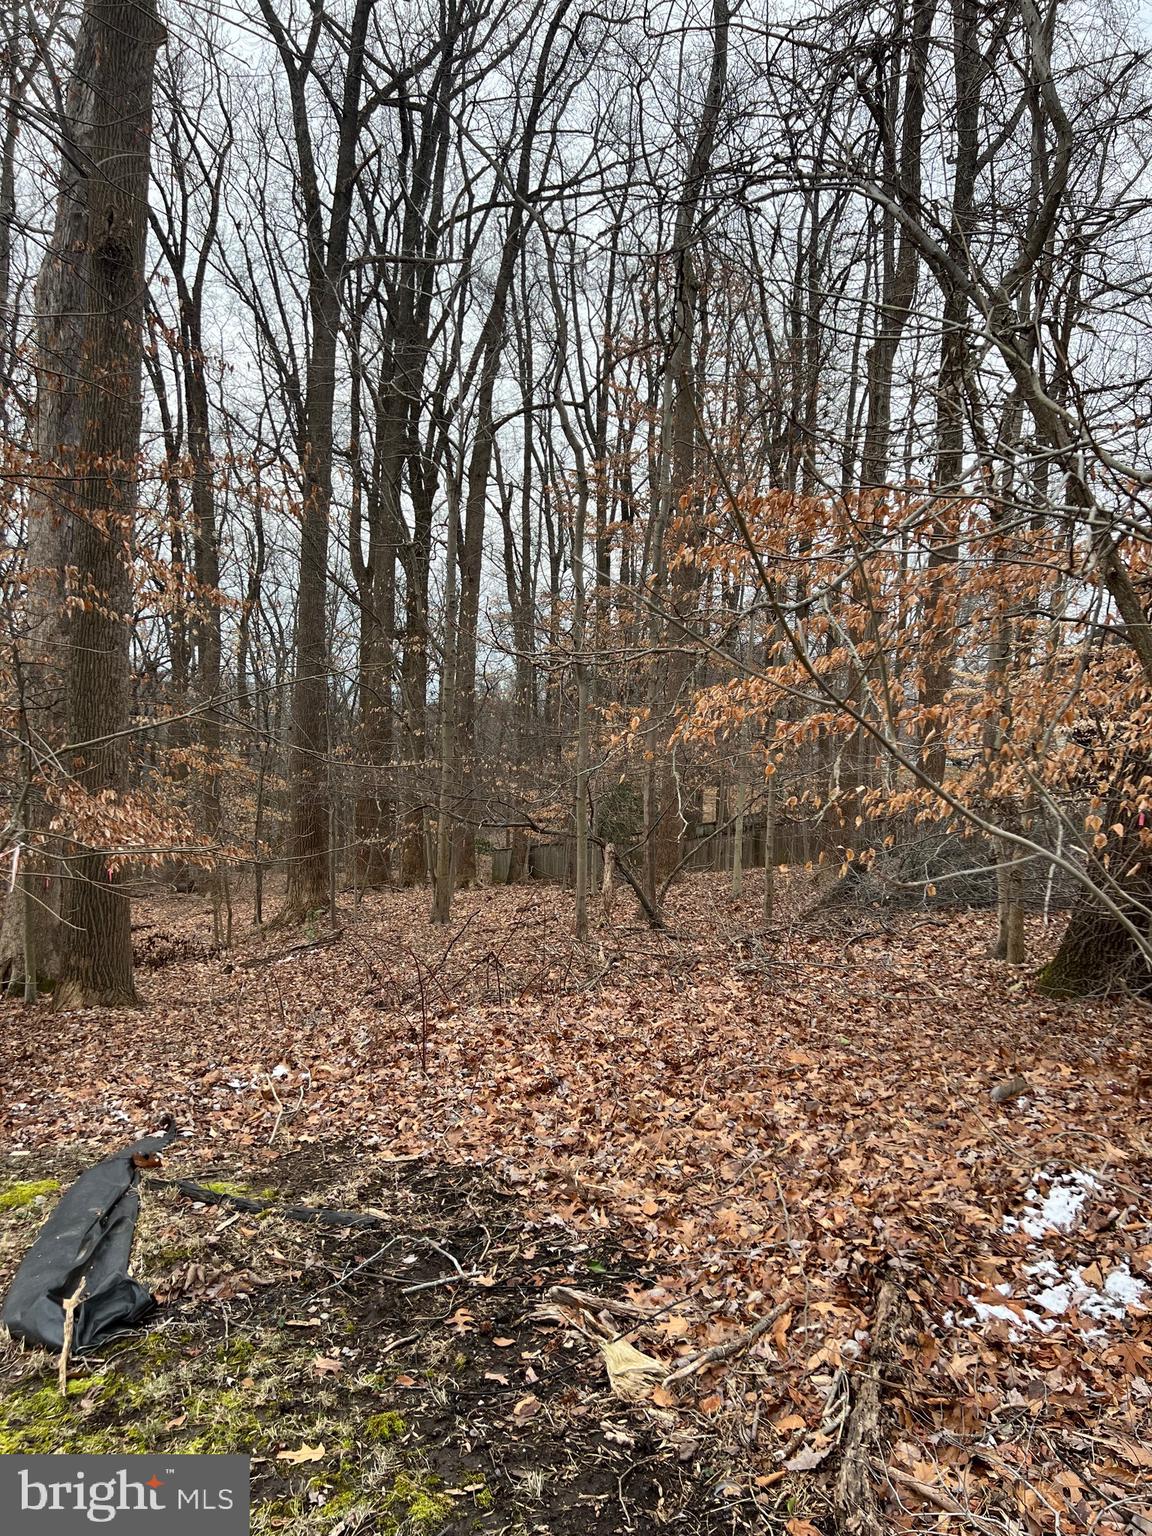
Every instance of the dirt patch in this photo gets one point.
(388, 1380)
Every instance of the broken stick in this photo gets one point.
(721, 1352)
(70, 1306)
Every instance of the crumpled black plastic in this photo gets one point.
(88, 1236)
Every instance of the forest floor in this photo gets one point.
(715, 1125)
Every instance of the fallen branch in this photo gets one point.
(854, 1493)
(255, 961)
(721, 1352)
(591, 1302)
(431, 1285)
(328, 1218)
(943, 1501)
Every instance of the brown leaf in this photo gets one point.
(527, 1408)
(807, 1457)
(305, 1453)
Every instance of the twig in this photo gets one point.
(720, 1352)
(428, 1285)
(364, 1263)
(283, 1108)
(70, 1306)
(395, 1344)
(443, 1252)
(942, 1500)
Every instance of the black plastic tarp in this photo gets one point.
(88, 1236)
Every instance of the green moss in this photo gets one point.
(35, 1419)
(339, 1495)
(417, 1498)
(237, 1191)
(384, 1426)
(227, 1422)
(237, 1353)
(164, 1347)
(166, 1257)
(17, 1196)
(273, 1514)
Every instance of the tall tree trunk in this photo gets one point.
(902, 137)
(677, 583)
(940, 614)
(309, 863)
(60, 310)
(96, 960)
(491, 349)
(449, 778)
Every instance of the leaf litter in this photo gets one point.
(757, 1119)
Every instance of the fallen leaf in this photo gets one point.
(807, 1457)
(305, 1453)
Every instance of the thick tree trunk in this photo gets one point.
(376, 587)
(96, 961)
(677, 584)
(414, 688)
(1096, 956)
(940, 600)
(1010, 943)
(60, 311)
(206, 627)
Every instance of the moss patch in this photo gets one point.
(227, 1421)
(384, 1426)
(237, 1191)
(36, 1420)
(16, 1196)
(418, 1502)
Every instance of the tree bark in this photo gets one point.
(327, 252)
(60, 309)
(664, 821)
(96, 961)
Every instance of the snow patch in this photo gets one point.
(1060, 1209)
(1050, 1290)
(1059, 1293)
(1019, 1321)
